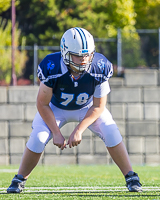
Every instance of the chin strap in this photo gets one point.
(75, 78)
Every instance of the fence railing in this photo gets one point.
(139, 31)
(139, 48)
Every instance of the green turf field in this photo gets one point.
(81, 182)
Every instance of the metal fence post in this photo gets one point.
(119, 52)
(13, 49)
(35, 63)
(159, 48)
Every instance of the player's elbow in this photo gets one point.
(98, 110)
(39, 104)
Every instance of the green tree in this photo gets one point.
(5, 51)
(131, 50)
(44, 21)
(147, 14)
(5, 41)
(4, 5)
(100, 17)
(41, 20)
(38, 21)
(148, 17)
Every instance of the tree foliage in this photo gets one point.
(100, 17)
(148, 17)
(38, 21)
(147, 14)
(5, 51)
(44, 21)
(41, 20)
(4, 5)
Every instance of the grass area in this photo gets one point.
(81, 182)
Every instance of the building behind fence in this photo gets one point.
(134, 102)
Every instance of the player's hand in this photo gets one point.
(75, 138)
(59, 141)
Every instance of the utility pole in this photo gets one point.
(13, 74)
(119, 52)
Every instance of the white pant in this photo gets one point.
(104, 127)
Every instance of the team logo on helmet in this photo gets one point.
(64, 47)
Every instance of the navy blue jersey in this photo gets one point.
(72, 94)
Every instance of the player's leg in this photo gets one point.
(34, 148)
(38, 139)
(120, 156)
(28, 162)
(107, 130)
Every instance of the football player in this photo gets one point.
(73, 88)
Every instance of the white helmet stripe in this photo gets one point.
(83, 37)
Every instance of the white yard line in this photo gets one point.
(79, 189)
(8, 170)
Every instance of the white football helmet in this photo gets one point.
(79, 42)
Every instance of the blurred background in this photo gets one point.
(126, 32)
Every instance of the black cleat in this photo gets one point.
(17, 184)
(132, 182)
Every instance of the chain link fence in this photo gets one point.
(130, 49)
(138, 49)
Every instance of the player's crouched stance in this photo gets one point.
(74, 87)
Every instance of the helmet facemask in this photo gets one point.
(80, 68)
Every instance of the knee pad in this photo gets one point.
(111, 135)
(38, 140)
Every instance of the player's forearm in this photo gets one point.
(91, 116)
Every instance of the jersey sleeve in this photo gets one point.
(102, 90)
(102, 71)
(45, 71)
(102, 68)
(106, 68)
